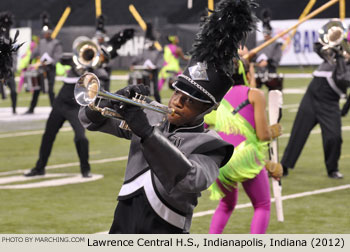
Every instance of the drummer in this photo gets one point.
(146, 65)
(267, 60)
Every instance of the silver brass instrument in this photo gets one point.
(332, 37)
(86, 52)
(88, 89)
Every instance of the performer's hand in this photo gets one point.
(263, 63)
(136, 120)
(344, 111)
(134, 115)
(275, 170)
(131, 90)
(276, 130)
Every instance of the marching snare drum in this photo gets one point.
(31, 78)
(141, 75)
(273, 81)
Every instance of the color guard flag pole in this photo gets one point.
(142, 23)
(303, 14)
(189, 4)
(210, 5)
(342, 9)
(61, 22)
(98, 8)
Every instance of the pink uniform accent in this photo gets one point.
(257, 189)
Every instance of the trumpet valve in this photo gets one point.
(139, 98)
(124, 125)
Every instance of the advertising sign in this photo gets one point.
(300, 49)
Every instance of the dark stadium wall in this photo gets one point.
(167, 17)
(165, 11)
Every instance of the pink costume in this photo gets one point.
(257, 189)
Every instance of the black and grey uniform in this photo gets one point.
(49, 51)
(272, 54)
(320, 104)
(11, 83)
(65, 108)
(106, 65)
(165, 174)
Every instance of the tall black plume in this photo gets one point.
(223, 32)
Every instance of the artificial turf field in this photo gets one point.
(316, 203)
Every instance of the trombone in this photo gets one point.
(88, 89)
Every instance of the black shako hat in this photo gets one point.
(207, 76)
(100, 27)
(6, 21)
(46, 25)
(266, 18)
(203, 82)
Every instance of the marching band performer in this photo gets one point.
(173, 159)
(6, 21)
(320, 104)
(64, 108)
(268, 58)
(101, 39)
(48, 53)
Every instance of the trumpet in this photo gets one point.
(88, 89)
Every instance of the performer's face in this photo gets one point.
(186, 109)
(47, 35)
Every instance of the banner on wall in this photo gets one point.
(25, 35)
(300, 50)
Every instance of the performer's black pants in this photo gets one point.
(10, 82)
(135, 216)
(59, 114)
(51, 75)
(155, 85)
(107, 82)
(319, 105)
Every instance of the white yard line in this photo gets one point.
(31, 133)
(291, 196)
(289, 106)
(62, 179)
(58, 166)
(66, 129)
(316, 131)
(286, 197)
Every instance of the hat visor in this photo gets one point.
(191, 91)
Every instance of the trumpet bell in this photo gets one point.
(87, 89)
